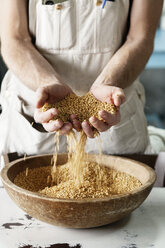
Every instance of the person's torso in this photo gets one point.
(78, 26)
(87, 35)
(79, 37)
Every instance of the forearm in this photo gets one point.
(126, 64)
(28, 64)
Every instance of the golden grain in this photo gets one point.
(84, 107)
(112, 183)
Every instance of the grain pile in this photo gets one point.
(35, 179)
(78, 178)
(84, 107)
(113, 182)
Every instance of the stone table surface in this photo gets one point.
(144, 228)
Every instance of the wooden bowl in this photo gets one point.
(84, 213)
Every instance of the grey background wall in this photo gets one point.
(154, 84)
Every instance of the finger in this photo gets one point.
(66, 128)
(98, 124)
(75, 122)
(42, 96)
(76, 125)
(118, 98)
(110, 119)
(46, 116)
(87, 129)
(53, 125)
(73, 116)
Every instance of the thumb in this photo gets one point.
(42, 96)
(118, 98)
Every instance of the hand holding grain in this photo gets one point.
(83, 108)
(108, 94)
(50, 94)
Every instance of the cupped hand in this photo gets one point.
(108, 94)
(51, 94)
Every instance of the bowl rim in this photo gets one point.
(8, 183)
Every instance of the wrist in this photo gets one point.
(51, 80)
(102, 80)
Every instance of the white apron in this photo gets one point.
(78, 39)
